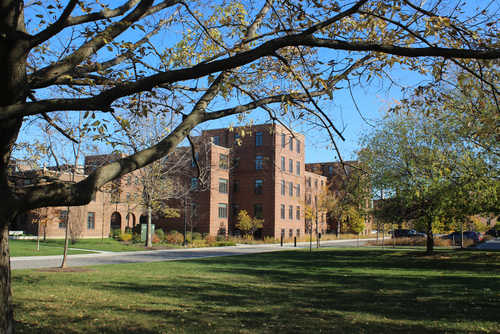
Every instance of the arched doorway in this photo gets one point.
(116, 221)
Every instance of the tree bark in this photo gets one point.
(430, 239)
(148, 230)
(6, 308)
(66, 237)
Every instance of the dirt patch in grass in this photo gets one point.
(65, 270)
(433, 256)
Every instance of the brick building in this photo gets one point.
(260, 169)
(337, 177)
(112, 208)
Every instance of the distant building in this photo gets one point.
(259, 169)
(113, 208)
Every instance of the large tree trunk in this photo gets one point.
(430, 239)
(6, 309)
(14, 89)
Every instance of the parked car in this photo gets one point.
(467, 235)
(407, 233)
(492, 232)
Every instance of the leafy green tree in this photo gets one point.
(204, 61)
(248, 224)
(427, 170)
(348, 194)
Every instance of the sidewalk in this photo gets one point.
(79, 260)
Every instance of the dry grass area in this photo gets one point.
(438, 242)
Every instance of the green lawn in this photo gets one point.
(55, 246)
(351, 290)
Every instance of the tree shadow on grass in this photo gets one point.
(287, 292)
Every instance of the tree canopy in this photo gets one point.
(428, 170)
(200, 61)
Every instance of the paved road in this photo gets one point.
(79, 260)
(491, 244)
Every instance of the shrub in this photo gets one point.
(136, 238)
(220, 238)
(160, 233)
(196, 236)
(174, 238)
(115, 233)
(125, 237)
(129, 230)
(269, 240)
(155, 239)
(209, 239)
(225, 243)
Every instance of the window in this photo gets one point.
(347, 170)
(309, 182)
(297, 213)
(298, 146)
(90, 220)
(237, 140)
(488, 222)
(298, 232)
(316, 184)
(223, 161)
(195, 160)
(257, 211)
(258, 162)
(222, 210)
(290, 212)
(283, 164)
(128, 197)
(321, 184)
(193, 210)
(283, 188)
(290, 144)
(194, 184)
(236, 186)
(136, 181)
(290, 189)
(298, 168)
(216, 140)
(94, 197)
(258, 139)
(63, 219)
(283, 232)
(290, 165)
(283, 140)
(298, 190)
(236, 162)
(236, 210)
(129, 180)
(223, 186)
(258, 187)
(282, 211)
(330, 170)
(290, 233)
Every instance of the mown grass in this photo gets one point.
(28, 248)
(56, 246)
(328, 291)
